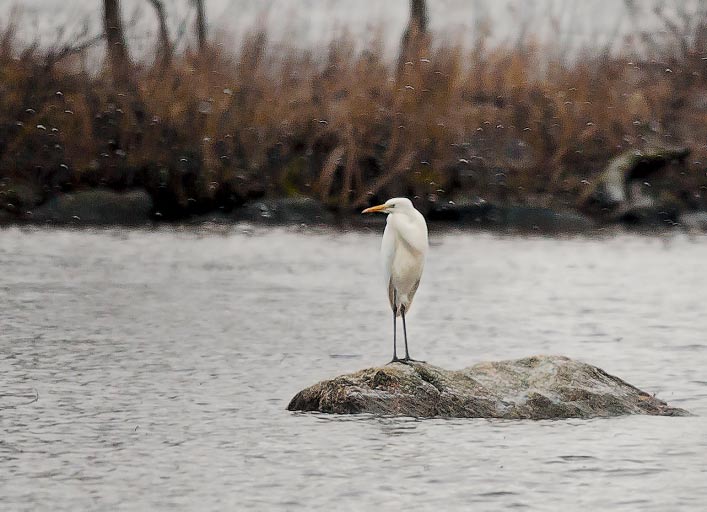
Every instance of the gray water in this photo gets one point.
(147, 370)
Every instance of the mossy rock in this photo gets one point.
(539, 387)
(96, 207)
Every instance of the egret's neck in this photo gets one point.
(411, 228)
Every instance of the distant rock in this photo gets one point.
(695, 221)
(624, 187)
(294, 210)
(520, 218)
(481, 214)
(527, 218)
(6, 217)
(540, 387)
(19, 197)
(648, 216)
(96, 207)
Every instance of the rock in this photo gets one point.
(522, 218)
(540, 387)
(6, 217)
(480, 214)
(528, 218)
(19, 197)
(96, 207)
(648, 217)
(293, 210)
(694, 221)
(621, 184)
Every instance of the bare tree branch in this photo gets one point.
(55, 56)
(200, 24)
(115, 41)
(415, 34)
(164, 53)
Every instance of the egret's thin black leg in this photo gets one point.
(395, 335)
(405, 334)
(395, 329)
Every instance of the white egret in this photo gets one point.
(403, 253)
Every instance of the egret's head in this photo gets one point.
(391, 206)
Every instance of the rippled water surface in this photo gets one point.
(151, 370)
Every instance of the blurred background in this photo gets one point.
(547, 114)
(182, 250)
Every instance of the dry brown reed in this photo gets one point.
(509, 124)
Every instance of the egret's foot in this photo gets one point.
(408, 360)
(396, 360)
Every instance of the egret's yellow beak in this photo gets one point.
(375, 209)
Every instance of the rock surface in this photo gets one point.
(621, 185)
(5, 217)
(695, 221)
(97, 207)
(520, 218)
(539, 387)
(293, 210)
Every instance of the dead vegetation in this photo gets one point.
(209, 129)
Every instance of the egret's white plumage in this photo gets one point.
(403, 253)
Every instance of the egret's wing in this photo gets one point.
(387, 256)
(411, 295)
(391, 294)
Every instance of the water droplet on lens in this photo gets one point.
(205, 107)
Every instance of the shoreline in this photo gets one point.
(522, 220)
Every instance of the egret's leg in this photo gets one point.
(395, 336)
(405, 334)
(395, 331)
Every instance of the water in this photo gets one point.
(162, 363)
